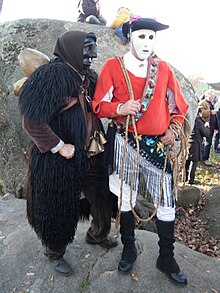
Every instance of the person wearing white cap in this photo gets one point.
(156, 99)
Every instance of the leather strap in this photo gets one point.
(69, 105)
(128, 81)
(88, 119)
(126, 76)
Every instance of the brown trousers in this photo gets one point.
(100, 201)
(54, 251)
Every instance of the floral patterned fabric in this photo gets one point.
(151, 148)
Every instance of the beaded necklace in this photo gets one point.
(152, 72)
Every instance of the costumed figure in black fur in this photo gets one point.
(55, 106)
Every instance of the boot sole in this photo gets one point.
(55, 267)
(62, 274)
(103, 245)
(128, 270)
(123, 271)
(170, 278)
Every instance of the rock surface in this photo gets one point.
(211, 212)
(25, 269)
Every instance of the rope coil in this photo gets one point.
(172, 154)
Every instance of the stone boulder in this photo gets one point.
(188, 195)
(41, 34)
(24, 267)
(211, 212)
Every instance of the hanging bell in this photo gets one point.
(102, 139)
(100, 148)
(93, 148)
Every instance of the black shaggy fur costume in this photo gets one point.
(55, 183)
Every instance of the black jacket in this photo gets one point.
(196, 140)
(87, 8)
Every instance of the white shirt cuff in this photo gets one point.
(57, 147)
(117, 111)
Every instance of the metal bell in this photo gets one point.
(93, 148)
(100, 148)
(102, 139)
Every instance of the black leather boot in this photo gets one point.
(166, 261)
(129, 253)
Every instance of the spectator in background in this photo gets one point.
(89, 11)
(202, 97)
(208, 114)
(123, 15)
(217, 131)
(195, 154)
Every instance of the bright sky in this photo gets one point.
(191, 44)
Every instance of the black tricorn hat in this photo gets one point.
(142, 23)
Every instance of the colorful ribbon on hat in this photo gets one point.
(135, 17)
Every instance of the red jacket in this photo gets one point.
(156, 119)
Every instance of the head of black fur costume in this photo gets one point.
(70, 47)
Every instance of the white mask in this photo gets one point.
(142, 43)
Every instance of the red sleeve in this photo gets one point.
(102, 108)
(181, 104)
(41, 134)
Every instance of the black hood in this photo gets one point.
(69, 47)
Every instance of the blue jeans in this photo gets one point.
(96, 20)
(118, 32)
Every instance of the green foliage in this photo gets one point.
(84, 285)
(51, 278)
(202, 87)
(1, 190)
(209, 176)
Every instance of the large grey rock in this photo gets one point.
(188, 195)
(41, 34)
(25, 269)
(211, 211)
